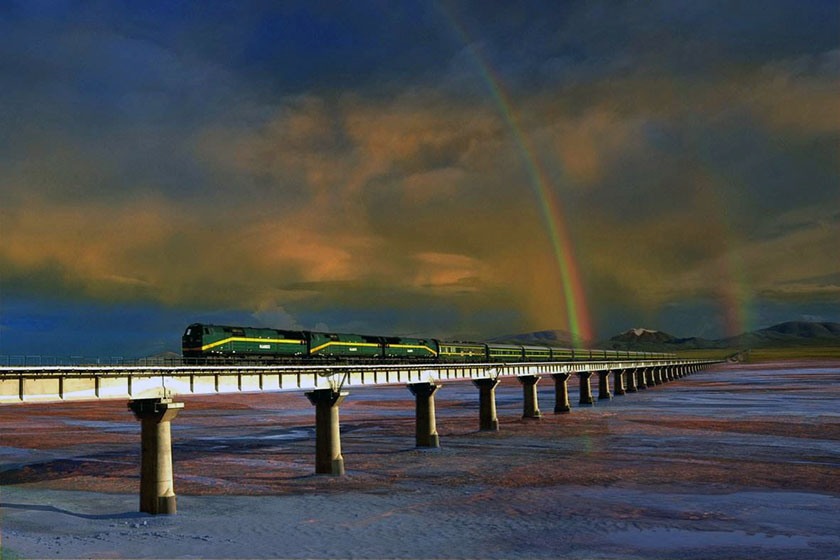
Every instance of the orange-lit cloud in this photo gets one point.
(348, 200)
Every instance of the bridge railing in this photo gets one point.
(37, 360)
(18, 360)
(23, 360)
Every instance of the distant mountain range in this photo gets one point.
(790, 334)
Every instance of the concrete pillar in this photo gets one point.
(604, 385)
(561, 393)
(659, 375)
(585, 388)
(530, 402)
(328, 459)
(641, 378)
(426, 428)
(487, 419)
(618, 382)
(157, 489)
(630, 375)
(649, 377)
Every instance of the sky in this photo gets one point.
(450, 169)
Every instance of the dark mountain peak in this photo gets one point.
(639, 334)
(789, 334)
(804, 329)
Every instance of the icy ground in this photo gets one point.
(738, 462)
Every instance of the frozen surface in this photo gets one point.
(738, 462)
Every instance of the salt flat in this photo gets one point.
(741, 461)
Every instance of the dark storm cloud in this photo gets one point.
(304, 163)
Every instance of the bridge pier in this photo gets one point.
(630, 374)
(649, 377)
(657, 375)
(585, 388)
(487, 419)
(426, 427)
(561, 393)
(641, 377)
(604, 385)
(157, 488)
(618, 382)
(530, 401)
(328, 459)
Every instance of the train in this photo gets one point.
(207, 343)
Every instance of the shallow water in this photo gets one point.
(742, 461)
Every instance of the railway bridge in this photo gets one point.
(152, 392)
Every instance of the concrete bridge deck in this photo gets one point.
(94, 382)
(151, 390)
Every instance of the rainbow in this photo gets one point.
(734, 287)
(579, 323)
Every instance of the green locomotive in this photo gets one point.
(203, 342)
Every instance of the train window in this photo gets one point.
(237, 332)
(188, 332)
(206, 330)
